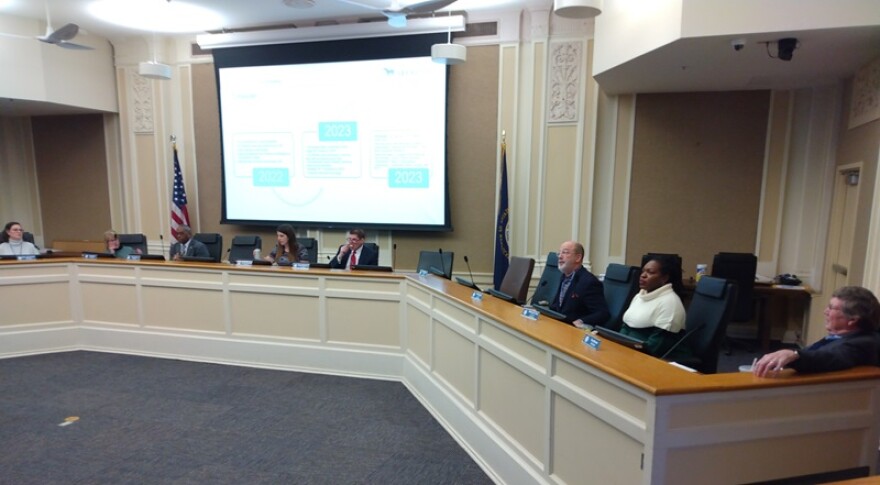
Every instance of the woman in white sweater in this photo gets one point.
(12, 242)
(656, 314)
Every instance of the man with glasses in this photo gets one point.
(580, 296)
(354, 252)
(851, 320)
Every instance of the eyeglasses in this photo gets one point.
(16, 230)
(831, 308)
(353, 239)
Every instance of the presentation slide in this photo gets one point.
(336, 144)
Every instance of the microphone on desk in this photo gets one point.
(394, 255)
(470, 273)
(541, 284)
(162, 242)
(442, 264)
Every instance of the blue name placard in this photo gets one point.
(423, 272)
(26, 257)
(134, 257)
(530, 313)
(90, 256)
(244, 262)
(477, 296)
(592, 342)
(301, 266)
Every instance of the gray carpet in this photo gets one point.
(145, 420)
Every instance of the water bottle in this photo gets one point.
(701, 271)
(257, 253)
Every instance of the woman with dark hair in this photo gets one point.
(851, 320)
(656, 314)
(12, 241)
(286, 250)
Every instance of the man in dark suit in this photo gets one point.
(580, 295)
(186, 245)
(354, 252)
(851, 320)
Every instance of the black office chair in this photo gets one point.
(375, 247)
(29, 237)
(242, 248)
(311, 245)
(516, 280)
(739, 268)
(621, 284)
(436, 263)
(134, 241)
(214, 243)
(549, 282)
(706, 323)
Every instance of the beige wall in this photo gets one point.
(696, 174)
(72, 175)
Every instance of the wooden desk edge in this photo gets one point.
(648, 373)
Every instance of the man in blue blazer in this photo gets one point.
(353, 252)
(580, 295)
(851, 320)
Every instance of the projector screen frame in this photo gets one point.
(396, 47)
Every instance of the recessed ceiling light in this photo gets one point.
(157, 15)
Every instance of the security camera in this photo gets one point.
(738, 44)
(786, 48)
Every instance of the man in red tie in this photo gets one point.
(354, 252)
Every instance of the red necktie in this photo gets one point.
(354, 257)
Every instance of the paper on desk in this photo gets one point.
(789, 287)
(682, 367)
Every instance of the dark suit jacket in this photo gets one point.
(852, 349)
(369, 256)
(196, 248)
(585, 299)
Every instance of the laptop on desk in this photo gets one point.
(372, 267)
(198, 259)
(546, 311)
(502, 295)
(470, 284)
(620, 338)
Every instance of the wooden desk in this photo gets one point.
(527, 399)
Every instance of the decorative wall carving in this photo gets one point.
(866, 95)
(565, 72)
(141, 102)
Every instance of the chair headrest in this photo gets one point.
(207, 237)
(132, 238)
(711, 287)
(618, 272)
(244, 240)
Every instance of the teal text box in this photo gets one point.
(408, 178)
(271, 177)
(337, 131)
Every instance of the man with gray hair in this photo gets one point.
(187, 246)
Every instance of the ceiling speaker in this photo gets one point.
(448, 53)
(577, 9)
(154, 70)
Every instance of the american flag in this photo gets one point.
(179, 214)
